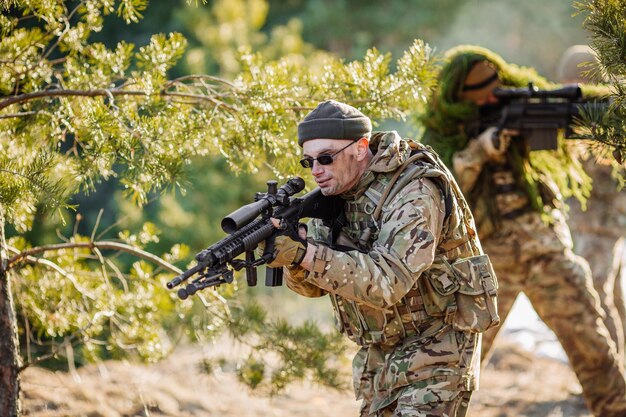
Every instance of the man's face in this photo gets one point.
(342, 173)
(484, 97)
(479, 84)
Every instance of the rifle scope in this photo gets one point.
(244, 215)
(567, 92)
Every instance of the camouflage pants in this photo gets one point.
(536, 259)
(448, 374)
(419, 402)
(599, 234)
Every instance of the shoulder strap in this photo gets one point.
(416, 155)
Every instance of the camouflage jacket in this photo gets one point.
(383, 295)
(496, 197)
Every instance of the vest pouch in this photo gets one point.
(476, 298)
(437, 286)
(347, 318)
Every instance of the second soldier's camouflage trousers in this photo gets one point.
(599, 234)
(536, 259)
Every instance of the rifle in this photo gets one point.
(247, 227)
(537, 114)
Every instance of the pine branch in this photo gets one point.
(21, 98)
(96, 245)
(20, 114)
(68, 340)
(62, 272)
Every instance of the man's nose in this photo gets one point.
(317, 168)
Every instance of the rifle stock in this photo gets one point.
(247, 227)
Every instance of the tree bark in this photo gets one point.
(9, 344)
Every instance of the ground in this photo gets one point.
(515, 383)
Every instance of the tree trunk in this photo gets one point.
(9, 345)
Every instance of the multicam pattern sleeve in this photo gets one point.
(467, 165)
(411, 224)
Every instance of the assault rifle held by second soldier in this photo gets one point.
(537, 114)
(247, 227)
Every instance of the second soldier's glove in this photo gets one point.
(289, 247)
(495, 143)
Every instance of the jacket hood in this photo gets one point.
(390, 152)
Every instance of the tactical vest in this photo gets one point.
(458, 289)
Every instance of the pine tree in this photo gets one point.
(606, 22)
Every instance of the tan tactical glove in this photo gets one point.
(495, 145)
(289, 248)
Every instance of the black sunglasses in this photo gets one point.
(322, 159)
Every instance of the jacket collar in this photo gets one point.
(390, 152)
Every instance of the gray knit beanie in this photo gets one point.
(334, 120)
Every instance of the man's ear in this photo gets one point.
(362, 148)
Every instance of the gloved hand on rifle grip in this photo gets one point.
(289, 246)
(495, 142)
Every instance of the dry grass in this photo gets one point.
(515, 383)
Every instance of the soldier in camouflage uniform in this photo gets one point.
(517, 200)
(394, 263)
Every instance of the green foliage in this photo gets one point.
(251, 372)
(79, 294)
(351, 27)
(36, 176)
(109, 107)
(219, 32)
(301, 350)
(75, 113)
(605, 19)
(509, 27)
(275, 95)
(130, 10)
(282, 353)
